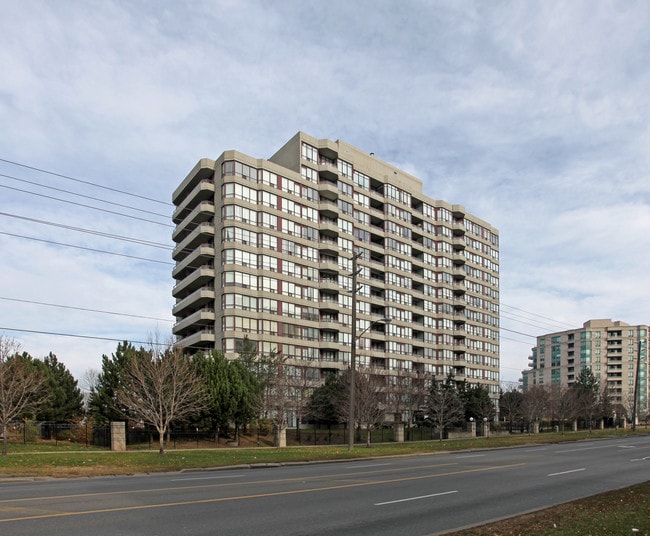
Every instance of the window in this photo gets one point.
(361, 180)
(239, 257)
(239, 301)
(309, 152)
(309, 174)
(345, 168)
(271, 179)
(237, 213)
(268, 199)
(345, 189)
(345, 226)
(345, 207)
(240, 279)
(239, 170)
(268, 241)
(267, 220)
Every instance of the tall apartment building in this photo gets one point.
(264, 249)
(616, 353)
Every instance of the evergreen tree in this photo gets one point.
(477, 402)
(65, 400)
(102, 404)
(587, 389)
(220, 404)
(233, 392)
(325, 405)
(245, 392)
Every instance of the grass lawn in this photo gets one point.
(64, 459)
(615, 513)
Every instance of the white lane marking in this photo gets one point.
(204, 478)
(416, 498)
(364, 466)
(641, 459)
(584, 448)
(567, 472)
(626, 447)
(470, 456)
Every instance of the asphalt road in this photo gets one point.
(414, 495)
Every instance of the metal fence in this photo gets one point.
(85, 434)
(81, 432)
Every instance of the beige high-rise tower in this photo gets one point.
(615, 352)
(265, 251)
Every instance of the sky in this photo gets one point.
(533, 115)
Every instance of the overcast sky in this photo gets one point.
(532, 115)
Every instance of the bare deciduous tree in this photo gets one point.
(510, 405)
(302, 381)
(370, 408)
(88, 383)
(534, 404)
(21, 386)
(406, 393)
(563, 404)
(277, 402)
(161, 386)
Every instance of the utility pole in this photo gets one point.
(353, 352)
(640, 352)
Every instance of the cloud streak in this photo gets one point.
(534, 116)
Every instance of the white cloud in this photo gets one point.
(534, 116)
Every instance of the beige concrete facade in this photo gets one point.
(616, 353)
(264, 249)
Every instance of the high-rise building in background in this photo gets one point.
(616, 353)
(265, 250)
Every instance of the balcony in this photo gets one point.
(328, 172)
(200, 256)
(328, 245)
(331, 225)
(331, 262)
(201, 339)
(199, 236)
(204, 191)
(327, 189)
(202, 213)
(329, 342)
(329, 283)
(204, 170)
(202, 317)
(200, 277)
(197, 300)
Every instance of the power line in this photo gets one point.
(82, 181)
(514, 340)
(86, 196)
(34, 183)
(562, 324)
(504, 316)
(519, 332)
(91, 231)
(84, 309)
(80, 336)
(87, 249)
(86, 206)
